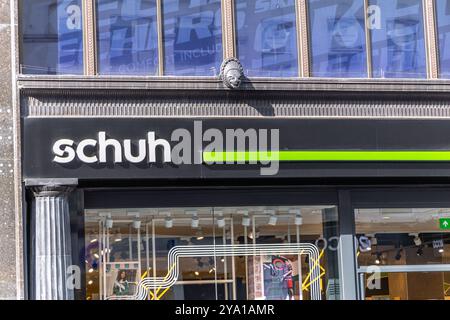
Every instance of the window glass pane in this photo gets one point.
(398, 49)
(127, 37)
(407, 286)
(267, 38)
(52, 40)
(402, 236)
(192, 37)
(400, 249)
(213, 253)
(338, 46)
(443, 22)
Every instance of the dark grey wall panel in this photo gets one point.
(295, 134)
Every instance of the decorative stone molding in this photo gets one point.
(51, 191)
(235, 104)
(231, 73)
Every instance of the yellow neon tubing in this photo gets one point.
(165, 278)
(317, 278)
(315, 264)
(149, 290)
(163, 293)
(165, 290)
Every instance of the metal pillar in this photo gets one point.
(346, 249)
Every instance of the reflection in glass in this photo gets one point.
(398, 49)
(337, 36)
(402, 236)
(52, 40)
(443, 24)
(192, 37)
(227, 253)
(267, 38)
(127, 37)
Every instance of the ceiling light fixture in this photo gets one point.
(109, 223)
(298, 221)
(168, 221)
(220, 219)
(273, 218)
(245, 218)
(195, 221)
(417, 241)
(136, 224)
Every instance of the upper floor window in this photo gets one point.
(443, 24)
(127, 37)
(267, 38)
(337, 37)
(192, 37)
(52, 39)
(398, 46)
(346, 38)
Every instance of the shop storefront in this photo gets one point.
(158, 208)
(234, 150)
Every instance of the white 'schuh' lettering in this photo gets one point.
(183, 148)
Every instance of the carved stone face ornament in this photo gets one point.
(231, 73)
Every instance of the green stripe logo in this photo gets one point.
(329, 155)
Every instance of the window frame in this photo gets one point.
(435, 61)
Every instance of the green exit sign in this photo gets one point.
(444, 223)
